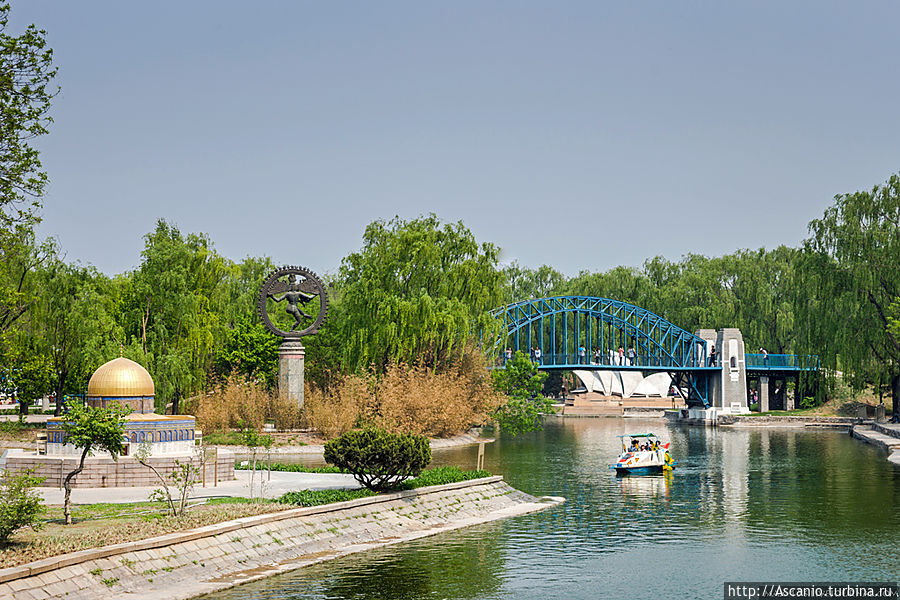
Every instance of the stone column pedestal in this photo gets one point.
(291, 356)
(763, 394)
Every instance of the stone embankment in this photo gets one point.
(787, 421)
(189, 563)
(882, 435)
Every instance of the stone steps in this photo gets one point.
(890, 429)
(867, 434)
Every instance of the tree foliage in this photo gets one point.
(850, 267)
(416, 289)
(523, 283)
(522, 382)
(171, 309)
(71, 318)
(92, 429)
(377, 459)
(20, 504)
(26, 75)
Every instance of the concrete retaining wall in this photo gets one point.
(681, 416)
(788, 421)
(105, 472)
(189, 563)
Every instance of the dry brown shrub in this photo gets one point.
(439, 404)
(284, 412)
(342, 409)
(409, 399)
(234, 404)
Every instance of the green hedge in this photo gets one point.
(436, 476)
(318, 497)
(290, 468)
(378, 459)
(441, 476)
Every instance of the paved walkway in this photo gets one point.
(280, 483)
(28, 418)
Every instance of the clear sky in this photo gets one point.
(583, 135)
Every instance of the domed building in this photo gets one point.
(128, 383)
(170, 437)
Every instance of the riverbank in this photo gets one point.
(189, 563)
(786, 421)
(881, 435)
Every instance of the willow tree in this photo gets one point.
(71, 322)
(523, 283)
(170, 311)
(849, 276)
(26, 76)
(417, 290)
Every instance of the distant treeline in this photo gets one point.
(417, 291)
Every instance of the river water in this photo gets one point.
(742, 505)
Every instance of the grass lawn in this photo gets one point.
(102, 524)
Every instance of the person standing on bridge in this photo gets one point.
(507, 356)
(631, 356)
(620, 356)
(765, 354)
(712, 356)
(537, 355)
(581, 353)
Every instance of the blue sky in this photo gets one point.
(583, 135)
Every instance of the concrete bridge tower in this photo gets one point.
(728, 384)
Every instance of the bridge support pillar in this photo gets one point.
(733, 380)
(763, 393)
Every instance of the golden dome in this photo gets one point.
(121, 378)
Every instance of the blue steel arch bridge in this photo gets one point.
(591, 333)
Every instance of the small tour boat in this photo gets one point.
(643, 453)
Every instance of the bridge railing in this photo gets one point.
(800, 362)
(605, 359)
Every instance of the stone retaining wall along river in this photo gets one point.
(189, 563)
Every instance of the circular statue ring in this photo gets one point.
(300, 288)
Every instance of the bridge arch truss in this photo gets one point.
(559, 326)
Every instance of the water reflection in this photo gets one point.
(751, 504)
(416, 570)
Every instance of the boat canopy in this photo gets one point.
(638, 435)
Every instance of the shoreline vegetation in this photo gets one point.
(95, 524)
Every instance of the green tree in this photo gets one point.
(417, 290)
(92, 429)
(249, 350)
(73, 323)
(20, 504)
(378, 459)
(527, 284)
(752, 290)
(234, 299)
(26, 75)
(849, 277)
(20, 258)
(171, 307)
(522, 382)
(27, 373)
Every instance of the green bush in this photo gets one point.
(290, 468)
(20, 504)
(379, 460)
(443, 475)
(317, 497)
